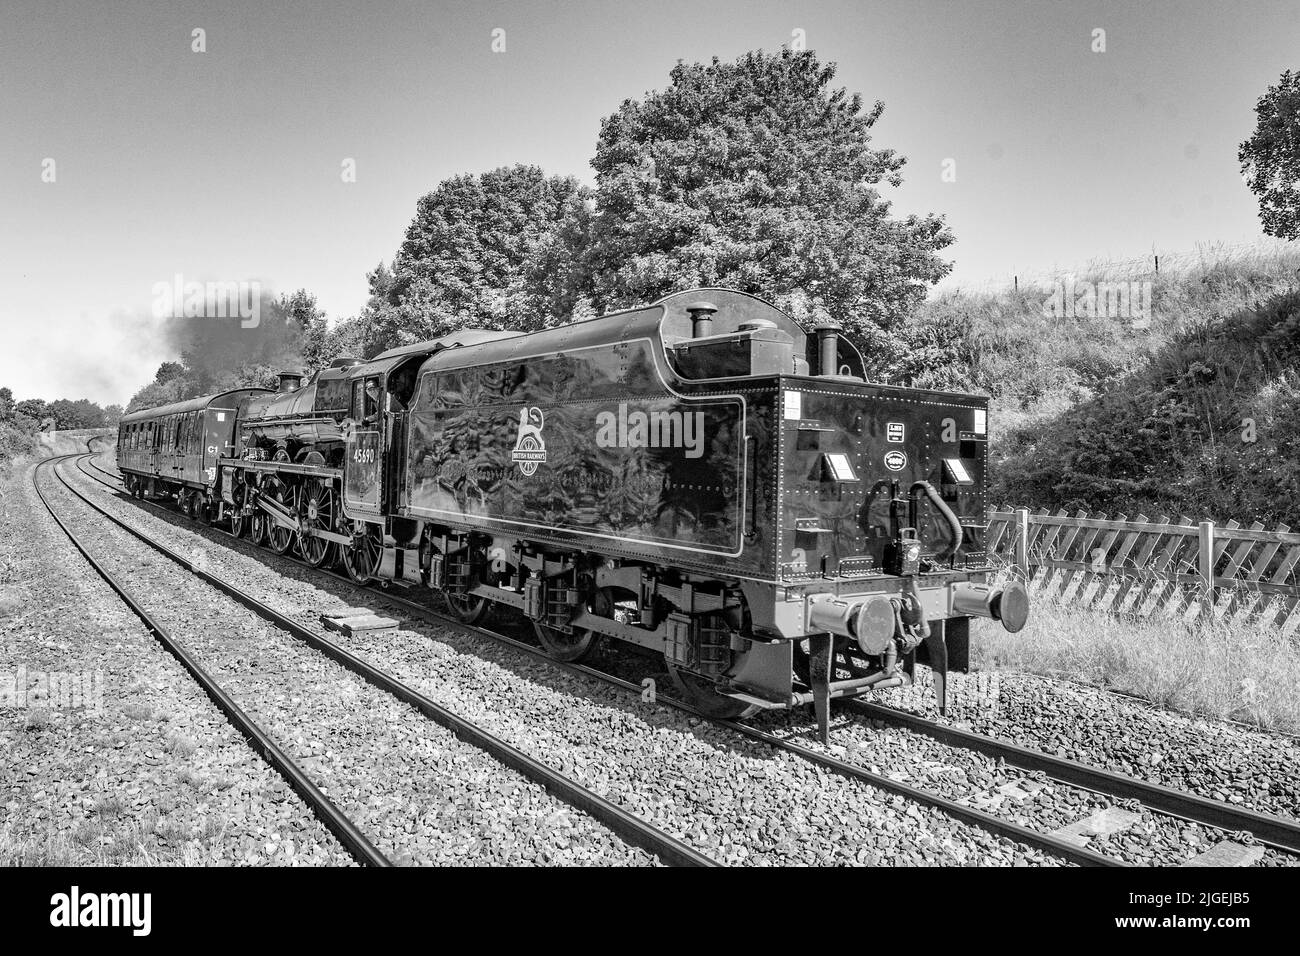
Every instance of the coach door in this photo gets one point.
(362, 471)
(218, 439)
(155, 445)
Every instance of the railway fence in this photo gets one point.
(1154, 566)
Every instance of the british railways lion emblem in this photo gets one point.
(530, 447)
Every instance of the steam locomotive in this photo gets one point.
(698, 477)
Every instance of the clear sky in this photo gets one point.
(225, 165)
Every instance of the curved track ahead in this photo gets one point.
(338, 823)
(630, 827)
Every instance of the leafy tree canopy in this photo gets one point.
(1270, 159)
(758, 175)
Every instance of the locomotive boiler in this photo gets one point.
(698, 477)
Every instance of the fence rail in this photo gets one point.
(1155, 566)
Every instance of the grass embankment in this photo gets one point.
(1190, 408)
(1247, 673)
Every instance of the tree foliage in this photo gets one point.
(1270, 158)
(757, 174)
(467, 259)
(760, 176)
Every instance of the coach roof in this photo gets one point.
(180, 408)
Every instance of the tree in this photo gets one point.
(113, 414)
(1270, 159)
(155, 394)
(465, 258)
(169, 372)
(757, 175)
(82, 413)
(6, 404)
(33, 408)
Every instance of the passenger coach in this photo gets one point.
(173, 449)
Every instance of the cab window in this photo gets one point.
(365, 400)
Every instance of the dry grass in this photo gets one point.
(1035, 366)
(110, 840)
(1246, 672)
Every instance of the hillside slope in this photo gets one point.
(1190, 408)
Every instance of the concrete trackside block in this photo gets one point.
(354, 623)
(1228, 853)
(1108, 821)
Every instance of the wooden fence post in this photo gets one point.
(1205, 563)
(1021, 542)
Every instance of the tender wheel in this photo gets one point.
(570, 648)
(278, 536)
(316, 510)
(361, 559)
(468, 608)
(699, 692)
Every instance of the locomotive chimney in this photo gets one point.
(828, 341)
(290, 381)
(701, 314)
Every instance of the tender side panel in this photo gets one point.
(588, 447)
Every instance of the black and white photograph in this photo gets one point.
(519, 436)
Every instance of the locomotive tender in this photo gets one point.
(698, 477)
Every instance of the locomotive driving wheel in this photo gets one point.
(257, 526)
(278, 536)
(316, 512)
(361, 559)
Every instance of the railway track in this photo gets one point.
(338, 823)
(1271, 831)
(626, 825)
